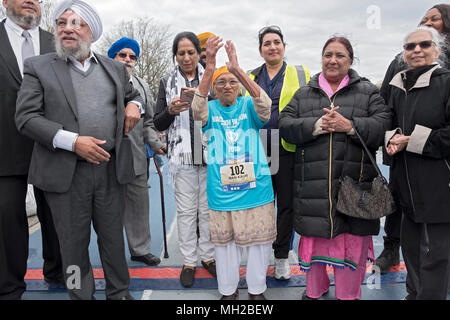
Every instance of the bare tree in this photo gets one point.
(154, 39)
(47, 10)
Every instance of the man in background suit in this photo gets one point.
(136, 215)
(20, 38)
(79, 106)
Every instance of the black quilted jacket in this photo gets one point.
(319, 159)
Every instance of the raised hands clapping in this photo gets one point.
(213, 46)
(232, 64)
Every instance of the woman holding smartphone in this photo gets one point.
(187, 167)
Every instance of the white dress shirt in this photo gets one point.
(66, 139)
(87, 63)
(16, 40)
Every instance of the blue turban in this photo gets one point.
(122, 44)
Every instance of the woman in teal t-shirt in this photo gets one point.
(238, 175)
(239, 185)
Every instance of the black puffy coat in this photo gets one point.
(319, 159)
(422, 180)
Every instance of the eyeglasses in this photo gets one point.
(124, 55)
(223, 83)
(74, 24)
(423, 44)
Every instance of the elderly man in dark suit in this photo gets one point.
(20, 38)
(79, 106)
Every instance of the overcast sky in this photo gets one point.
(376, 28)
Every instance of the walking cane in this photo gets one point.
(163, 208)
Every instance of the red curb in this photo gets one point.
(174, 272)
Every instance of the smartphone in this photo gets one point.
(187, 96)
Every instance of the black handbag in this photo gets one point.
(365, 200)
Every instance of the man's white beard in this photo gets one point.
(129, 67)
(28, 22)
(130, 71)
(80, 53)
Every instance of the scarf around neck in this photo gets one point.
(179, 132)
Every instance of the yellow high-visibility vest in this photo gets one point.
(294, 78)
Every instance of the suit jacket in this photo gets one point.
(144, 131)
(46, 103)
(15, 149)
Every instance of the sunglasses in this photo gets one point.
(269, 28)
(124, 55)
(423, 44)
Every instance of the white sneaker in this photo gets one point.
(282, 269)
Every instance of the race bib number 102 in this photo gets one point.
(238, 176)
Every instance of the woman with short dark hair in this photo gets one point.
(438, 17)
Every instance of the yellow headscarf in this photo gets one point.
(219, 72)
(203, 37)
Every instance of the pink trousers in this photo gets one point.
(347, 281)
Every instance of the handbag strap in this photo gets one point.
(374, 163)
(366, 149)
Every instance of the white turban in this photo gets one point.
(86, 12)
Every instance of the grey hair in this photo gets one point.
(438, 40)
